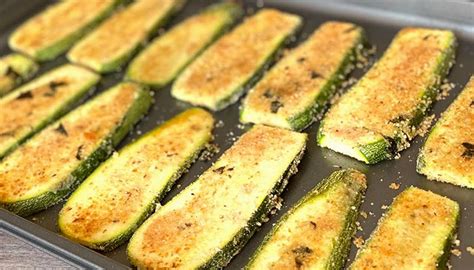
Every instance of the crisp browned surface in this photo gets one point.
(392, 88)
(56, 23)
(234, 58)
(208, 213)
(112, 200)
(48, 158)
(120, 33)
(167, 54)
(409, 236)
(26, 108)
(297, 79)
(446, 157)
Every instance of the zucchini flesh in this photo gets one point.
(380, 115)
(15, 69)
(298, 87)
(49, 166)
(448, 153)
(114, 200)
(28, 109)
(162, 60)
(221, 73)
(316, 232)
(113, 42)
(415, 233)
(211, 220)
(53, 31)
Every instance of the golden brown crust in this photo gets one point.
(297, 79)
(449, 149)
(49, 158)
(56, 23)
(392, 88)
(235, 57)
(120, 33)
(411, 234)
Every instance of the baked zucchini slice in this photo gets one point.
(378, 117)
(207, 223)
(161, 61)
(316, 233)
(51, 164)
(53, 31)
(448, 153)
(415, 233)
(221, 73)
(31, 107)
(15, 69)
(298, 87)
(114, 200)
(113, 42)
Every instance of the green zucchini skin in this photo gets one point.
(116, 40)
(161, 61)
(381, 134)
(31, 107)
(350, 183)
(416, 232)
(228, 178)
(447, 154)
(305, 79)
(203, 83)
(173, 146)
(54, 17)
(137, 101)
(14, 70)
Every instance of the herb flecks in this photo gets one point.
(79, 152)
(315, 75)
(25, 95)
(468, 150)
(219, 170)
(7, 133)
(268, 93)
(10, 72)
(61, 129)
(275, 106)
(472, 104)
(301, 59)
(301, 253)
(53, 87)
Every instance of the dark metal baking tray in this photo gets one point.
(381, 20)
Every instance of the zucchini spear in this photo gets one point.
(114, 200)
(31, 107)
(164, 58)
(14, 70)
(206, 224)
(220, 74)
(316, 233)
(448, 153)
(112, 43)
(415, 233)
(299, 86)
(53, 31)
(378, 117)
(51, 164)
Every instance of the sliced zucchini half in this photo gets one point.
(51, 164)
(14, 70)
(448, 153)
(316, 233)
(298, 87)
(53, 31)
(112, 43)
(378, 117)
(234, 62)
(114, 200)
(161, 61)
(28, 109)
(206, 224)
(415, 233)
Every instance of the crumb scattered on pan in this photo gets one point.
(394, 186)
(384, 207)
(425, 125)
(470, 250)
(363, 214)
(456, 252)
(358, 241)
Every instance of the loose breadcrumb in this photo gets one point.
(363, 214)
(358, 241)
(470, 250)
(394, 186)
(456, 252)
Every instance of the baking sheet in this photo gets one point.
(318, 163)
